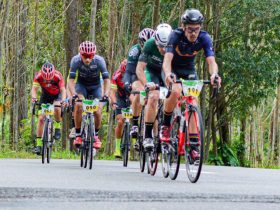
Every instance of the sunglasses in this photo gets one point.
(86, 56)
(191, 29)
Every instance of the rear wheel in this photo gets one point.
(193, 159)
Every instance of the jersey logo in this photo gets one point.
(133, 52)
(190, 54)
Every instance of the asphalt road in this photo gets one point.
(27, 184)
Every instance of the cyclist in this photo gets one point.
(183, 45)
(130, 78)
(53, 91)
(118, 101)
(151, 59)
(85, 68)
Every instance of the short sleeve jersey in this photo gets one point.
(151, 55)
(185, 51)
(117, 83)
(52, 86)
(132, 59)
(88, 75)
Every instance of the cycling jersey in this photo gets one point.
(52, 86)
(88, 75)
(117, 83)
(151, 55)
(185, 51)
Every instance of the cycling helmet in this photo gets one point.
(48, 71)
(123, 66)
(87, 47)
(192, 16)
(146, 34)
(162, 34)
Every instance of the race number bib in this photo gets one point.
(192, 87)
(90, 106)
(127, 113)
(47, 109)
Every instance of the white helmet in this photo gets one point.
(162, 34)
(146, 34)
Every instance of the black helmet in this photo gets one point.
(192, 16)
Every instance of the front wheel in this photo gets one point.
(45, 140)
(125, 144)
(164, 159)
(193, 147)
(174, 157)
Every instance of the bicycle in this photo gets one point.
(126, 138)
(47, 139)
(153, 155)
(88, 129)
(180, 143)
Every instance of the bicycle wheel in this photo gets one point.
(45, 140)
(125, 144)
(49, 143)
(91, 140)
(174, 156)
(82, 147)
(152, 161)
(164, 159)
(142, 156)
(194, 164)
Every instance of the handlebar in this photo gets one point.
(206, 82)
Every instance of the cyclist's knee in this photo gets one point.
(41, 119)
(154, 96)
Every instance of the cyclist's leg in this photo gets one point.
(82, 93)
(169, 105)
(135, 105)
(119, 129)
(151, 108)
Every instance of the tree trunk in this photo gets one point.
(241, 152)
(92, 20)
(71, 45)
(156, 9)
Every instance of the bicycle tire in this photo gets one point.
(49, 143)
(174, 156)
(142, 156)
(153, 160)
(193, 174)
(44, 140)
(91, 140)
(164, 160)
(125, 144)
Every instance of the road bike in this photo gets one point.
(186, 119)
(87, 152)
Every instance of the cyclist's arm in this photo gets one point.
(167, 66)
(212, 65)
(63, 93)
(34, 91)
(72, 87)
(107, 85)
(112, 96)
(140, 72)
